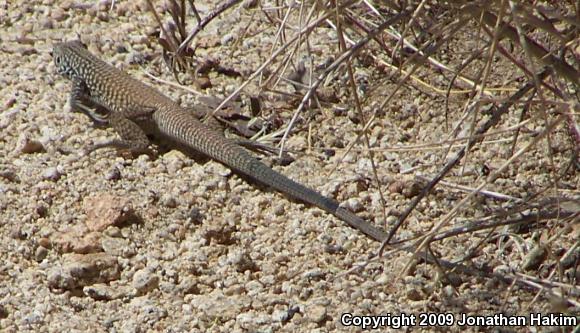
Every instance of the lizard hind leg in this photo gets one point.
(132, 138)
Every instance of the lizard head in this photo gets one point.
(63, 55)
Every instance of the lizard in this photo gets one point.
(111, 97)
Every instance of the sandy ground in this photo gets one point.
(107, 243)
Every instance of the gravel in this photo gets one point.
(104, 243)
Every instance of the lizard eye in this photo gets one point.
(59, 63)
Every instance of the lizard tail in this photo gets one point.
(184, 128)
(286, 185)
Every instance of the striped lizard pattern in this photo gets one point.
(111, 97)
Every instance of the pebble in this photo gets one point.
(317, 314)
(116, 246)
(285, 315)
(242, 261)
(46, 23)
(104, 210)
(51, 173)
(168, 200)
(26, 145)
(76, 239)
(40, 253)
(9, 175)
(217, 305)
(314, 274)
(411, 189)
(104, 292)
(353, 204)
(145, 281)
(58, 14)
(148, 311)
(278, 209)
(113, 174)
(81, 270)
(227, 39)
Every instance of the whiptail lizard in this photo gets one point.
(134, 110)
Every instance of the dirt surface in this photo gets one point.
(110, 243)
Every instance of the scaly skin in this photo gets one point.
(135, 110)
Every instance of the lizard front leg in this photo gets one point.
(80, 100)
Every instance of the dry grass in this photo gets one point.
(518, 67)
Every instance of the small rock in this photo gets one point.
(391, 220)
(242, 261)
(254, 286)
(9, 175)
(44, 242)
(411, 189)
(154, 313)
(113, 231)
(17, 233)
(104, 292)
(40, 253)
(76, 239)
(227, 38)
(35, 317)
(453, 279)
(246, 320)
(46, 23)
(384, 279)
(285, 315)
(116, 246)
(248, 43)
(26, 145)
(41, 209)
(113, 174)
(3, 312)
(247, 4)
(174, 161)
(317, 314)
(188, 286)
(278, 209)
(104, 210)
(334, 248)
(195, 215)
(448, 291)
(58, 14)
(51, 173)
(216, 305)
(144, 281)
(407, 124)
(353, 204)
(314, 274)
(81, 270)
(413, 294)
(396, 187)
(147, 310)
(168, 200)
